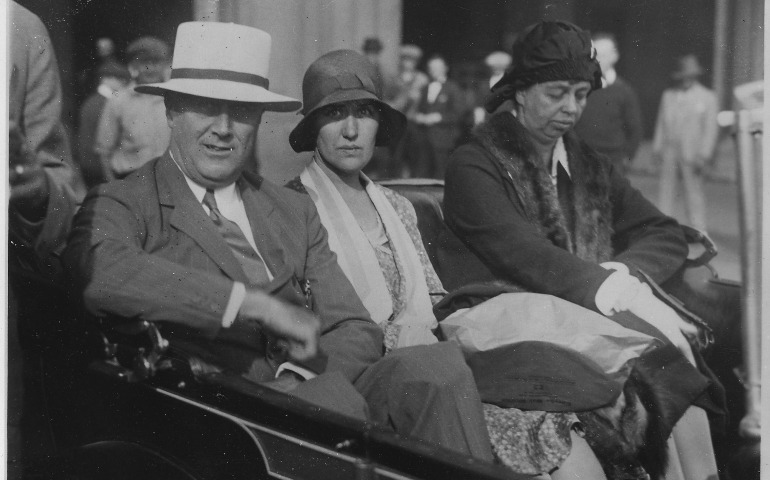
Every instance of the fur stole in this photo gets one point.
(508, 142)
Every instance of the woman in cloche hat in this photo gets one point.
(545, 212)
(373, 231)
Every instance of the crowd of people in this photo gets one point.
(323, 289)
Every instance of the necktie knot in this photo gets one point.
(252, 264)
(210, 201)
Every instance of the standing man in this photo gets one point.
(438, 113)
(226, 262)
(113, 78)
(685, 138)
(44, 192)
(612, 120)
(132, 130)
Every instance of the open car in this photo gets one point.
(124, 403)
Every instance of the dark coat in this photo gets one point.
(144, 248)
(500, 201)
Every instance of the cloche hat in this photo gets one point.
(343, 76)
(544, 52)
(224, 61)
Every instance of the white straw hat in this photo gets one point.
(224, 61)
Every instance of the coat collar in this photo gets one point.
(189, 217)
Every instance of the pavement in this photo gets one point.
(721, 203)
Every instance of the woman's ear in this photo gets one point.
(518, 97)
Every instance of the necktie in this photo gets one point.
(252, 264)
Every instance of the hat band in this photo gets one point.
(214, 74)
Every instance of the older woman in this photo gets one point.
(373, 231)
(543, 211)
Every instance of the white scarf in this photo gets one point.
(359, 261)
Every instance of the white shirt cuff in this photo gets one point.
(237, 295)
(610, 292)
(302, 372)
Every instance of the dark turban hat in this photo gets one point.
(544, 52)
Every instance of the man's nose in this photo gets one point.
(350, 127)
(222, 122)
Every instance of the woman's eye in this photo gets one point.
(366, 111)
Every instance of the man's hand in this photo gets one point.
(297, 328)
(29, 184)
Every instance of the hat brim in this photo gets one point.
(224, 90)
(392, 122)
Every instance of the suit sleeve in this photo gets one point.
(644, 237)
(106, 262)
(349, 337)
(709, 126)
(479, 210)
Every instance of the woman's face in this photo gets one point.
(548, 110)
(346, 135)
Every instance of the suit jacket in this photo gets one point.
(451, 105)
(35, 99)
(145, 248)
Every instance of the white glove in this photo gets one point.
(624, 292)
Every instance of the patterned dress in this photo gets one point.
(529, 442)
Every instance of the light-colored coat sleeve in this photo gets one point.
(35, 101)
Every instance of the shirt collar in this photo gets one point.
(227, 194)
(610, 77)
(559, 157)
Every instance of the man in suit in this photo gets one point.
(612, 119)
(227, 263)
(438, 115)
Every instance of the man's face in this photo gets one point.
(149, 71)
(437, 69)
(212, 139)
(606, 53)
(549, 109)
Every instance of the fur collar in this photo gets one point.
(506, 139)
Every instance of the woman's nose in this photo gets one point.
(571, 104)
(350, 127)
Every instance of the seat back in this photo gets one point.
(455, 264)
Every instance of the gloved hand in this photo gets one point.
(624, 292)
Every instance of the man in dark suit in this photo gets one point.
(226, 262)
(438, 115)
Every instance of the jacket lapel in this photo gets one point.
(264, 225)
(189, 217)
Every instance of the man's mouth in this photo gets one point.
(217, 148)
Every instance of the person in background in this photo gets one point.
(497, 63)
(438, 116)
(113, 78)
(372, 48)
(612, 120)
(685, 137)
(543, 211)
(133, 129)
(403, 94)
(44, 192)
